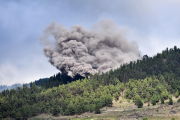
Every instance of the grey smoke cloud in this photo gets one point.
(81, 51)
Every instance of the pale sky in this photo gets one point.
(153, 24)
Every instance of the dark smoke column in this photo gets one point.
(82, 52)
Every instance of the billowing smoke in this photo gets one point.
(79, 51)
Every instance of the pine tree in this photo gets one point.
(170, 101)
(97, 109)
(56, 110)
(177, 94)
(116, 96)
(162, 100)
(139, 103)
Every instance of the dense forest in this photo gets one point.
(56, 80)
(144, 81)
(166, 64)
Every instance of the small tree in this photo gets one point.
(153, 101)
(139, 103)
(108, 101)
(18, 115)
(145, 118)
(162, 100)
(56, 110)
(170, 101)
(173, 119)
(178, 100)
(116, 96)
(71, 109)
(177, 94)
(97, 109)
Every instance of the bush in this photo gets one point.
(178, 100)
(162, 100)
(173, 119)
(145, 100)
(116, 96)
(170, 101)
(92, 107)
(177, 94)
(108, 101)
(97, 109)
(153, 101)
(139, 103)
(56, 110)
(145, 118)
(18, 115)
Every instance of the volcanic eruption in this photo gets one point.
(78, 51)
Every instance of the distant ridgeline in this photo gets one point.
(166, 64)
(14, 86)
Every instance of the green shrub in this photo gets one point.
(153, 101)
(139, 103)
(155, 98)
(173, 119)
(18, 115)
(97, 109)
(177, 94)
(170, 101)
(178, 100)
(145, 118)
(116, 96)
(145, 100)
(92, 107)
(162, 100)
(56, 110)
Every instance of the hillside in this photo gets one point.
(148, 81)
(166, 64)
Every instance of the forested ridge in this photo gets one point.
(143, 81)
(166, 63)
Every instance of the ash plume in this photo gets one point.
(79, 51)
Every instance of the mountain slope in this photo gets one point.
(166, 63)
(145, 81)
